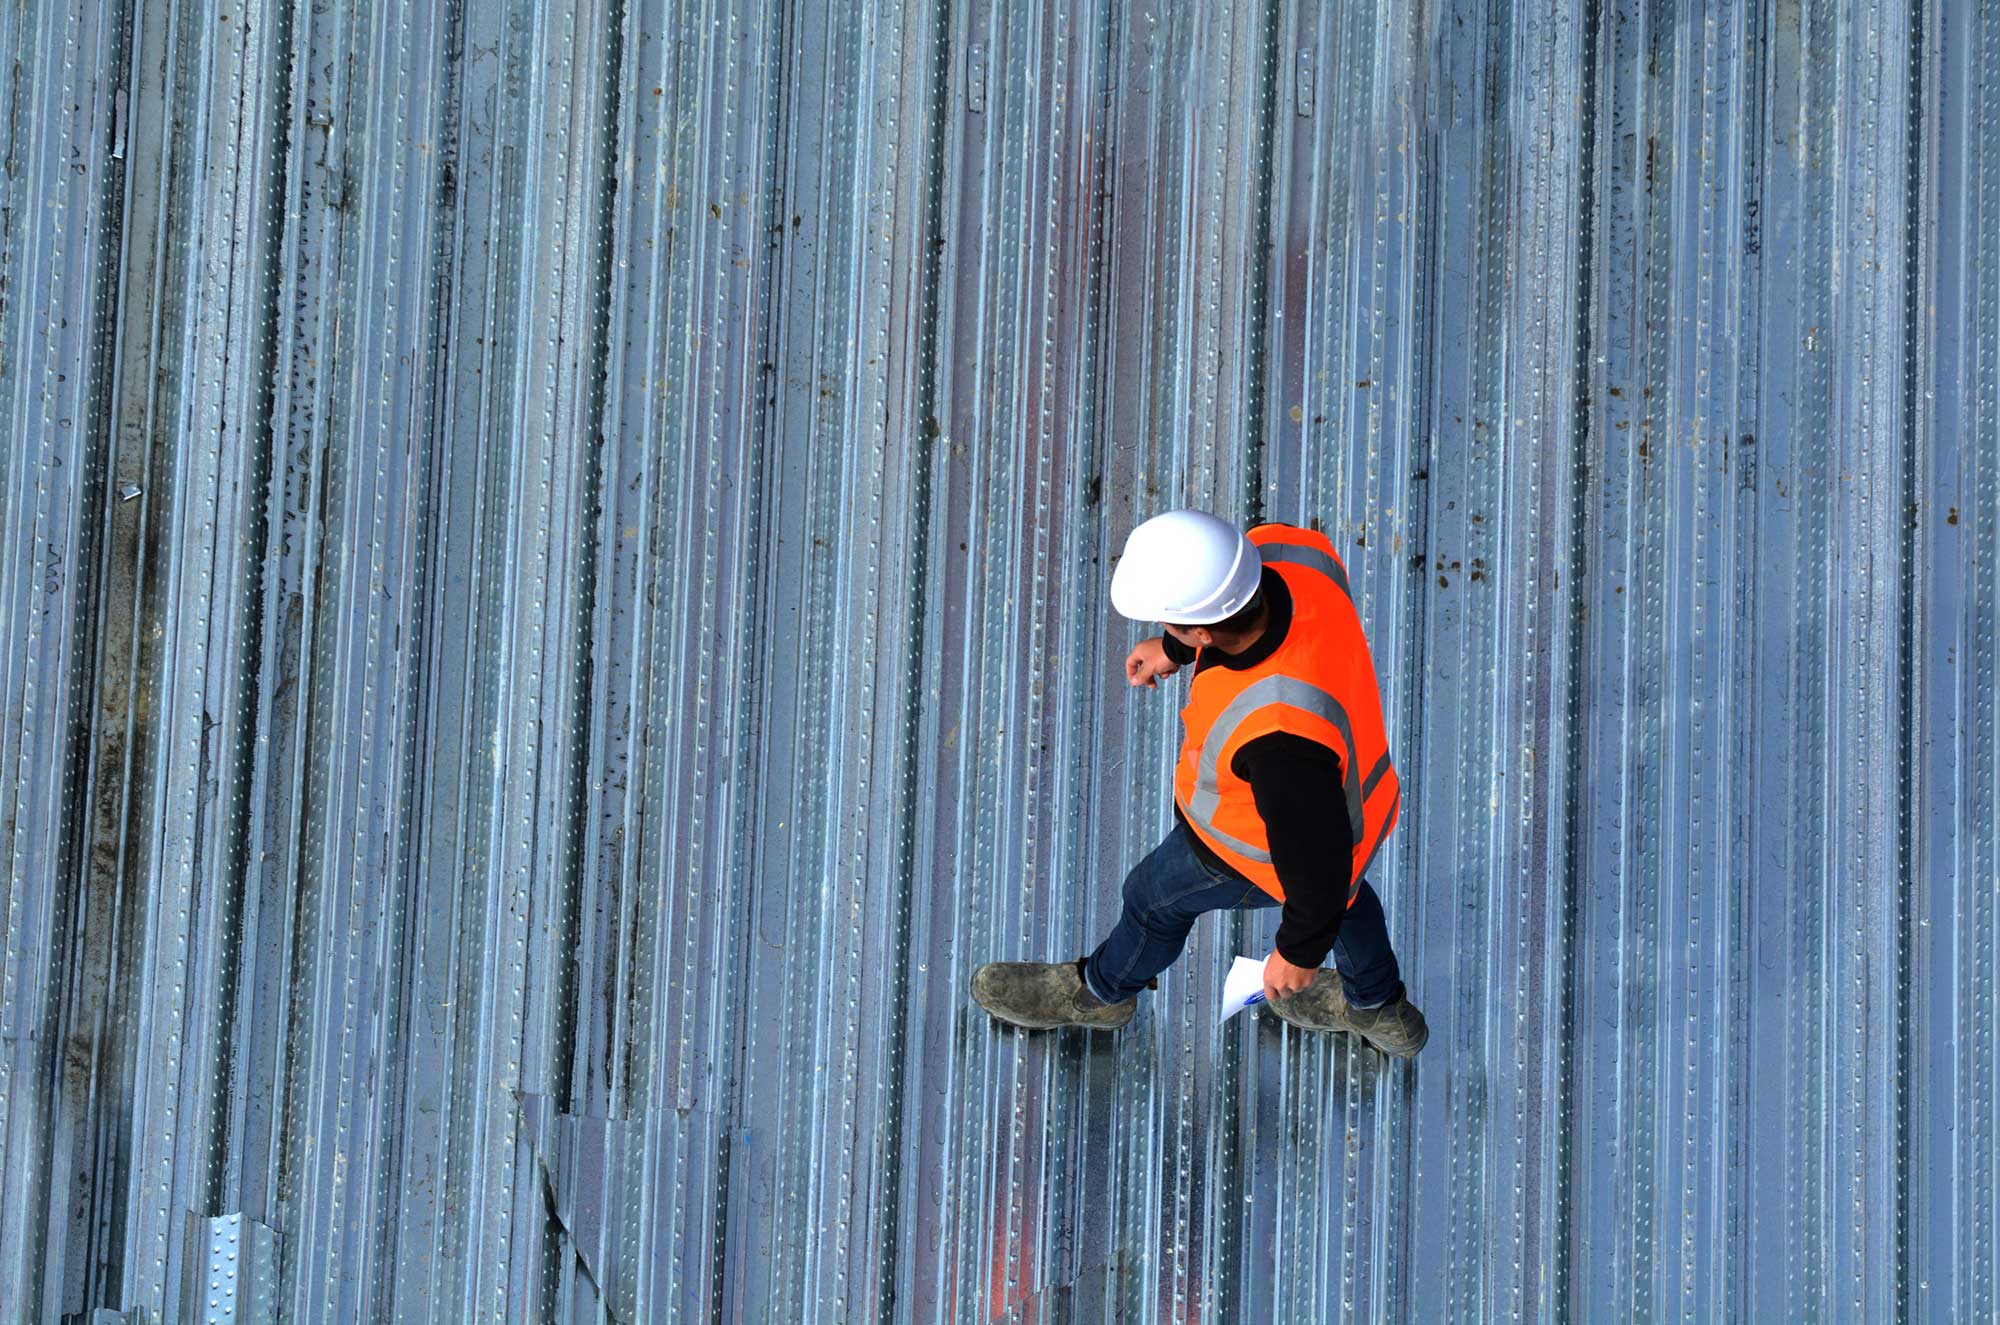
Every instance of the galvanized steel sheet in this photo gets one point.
(555, 558)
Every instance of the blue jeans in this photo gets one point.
(1173, 885)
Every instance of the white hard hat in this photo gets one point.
(1186, 568)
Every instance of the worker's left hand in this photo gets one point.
(1282, 978)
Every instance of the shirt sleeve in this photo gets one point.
(1179, 654)
(1297, 786)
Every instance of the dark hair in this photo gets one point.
(1238, 622)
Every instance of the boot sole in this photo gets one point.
(1019, 1024)
(1006, 1020)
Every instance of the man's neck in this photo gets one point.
(1248, 639)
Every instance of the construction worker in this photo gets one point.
(1283, 793)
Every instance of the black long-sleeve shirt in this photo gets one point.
(1297, 785)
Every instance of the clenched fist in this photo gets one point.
(1148, 662)
(1282, 979)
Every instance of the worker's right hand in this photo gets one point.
(1148, 662)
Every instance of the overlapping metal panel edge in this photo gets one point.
(556, 556)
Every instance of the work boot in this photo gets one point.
(1040, 996)
(1396, 1028)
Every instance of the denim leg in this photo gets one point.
(1164, 894)
(1361, 953)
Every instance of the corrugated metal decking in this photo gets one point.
(555, 559)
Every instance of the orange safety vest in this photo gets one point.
(1319, 684)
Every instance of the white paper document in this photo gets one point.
(1243, 986)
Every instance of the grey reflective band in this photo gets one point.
(1244, 849)
(1362, 872)
(1375, 776)
(1299, 554)
(1293, 693)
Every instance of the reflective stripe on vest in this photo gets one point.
(1298, 554)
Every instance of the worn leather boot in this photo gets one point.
(1396, 1028)
(1040, 996)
